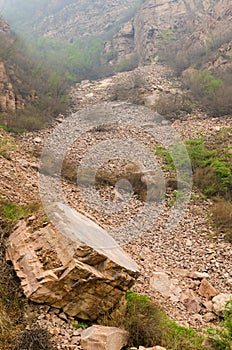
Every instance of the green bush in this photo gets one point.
(149, 326)
(6, 145)
(205, 83)
(212, 168)
(127, 64)
(213, 93)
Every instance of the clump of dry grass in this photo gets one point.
(11, 301)
(222, 217)
(34, 339)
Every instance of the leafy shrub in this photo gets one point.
(203, 82)
(212, 170)
(149, 326)
(127, 64)
(213, 93)
(199, 155)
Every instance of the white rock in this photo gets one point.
(198, 275)
(37, 140)
(104, 338)
(164, 285)
(220, 301)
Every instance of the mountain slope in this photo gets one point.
(68, 19)
(171, 27)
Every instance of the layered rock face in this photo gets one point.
(78, 267)
(8, 99)
(7, 96)
(198, 24)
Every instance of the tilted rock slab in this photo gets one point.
(74, 265)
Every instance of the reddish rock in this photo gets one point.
(207, 290)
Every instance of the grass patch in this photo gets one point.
(149, 326)
(81, 325)
(6, 146)
(212, 168)
(222, 336)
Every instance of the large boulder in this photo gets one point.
(104, 338)
(74, 265)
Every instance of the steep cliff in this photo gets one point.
(177, 29)
(8, 98)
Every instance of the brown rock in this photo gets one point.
(190, 301)
(209, 317)
(79, 268)
(207, 290)
(104, 338)
(208, 305)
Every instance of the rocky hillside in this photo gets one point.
(69, 19)
(199, 25)
(181, 270)
(9, 100)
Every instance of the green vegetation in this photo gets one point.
(42, 74)
(212, 168)
(212, 92)
(212, 173)
(75, 61)
(166, 156)
(33, 82)
(164, 37)
(6, 145)
(222, 336)
(149, 326)
(11, 212)
(210, 88)
(127, 64)
(206, 83)
(82, 325)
